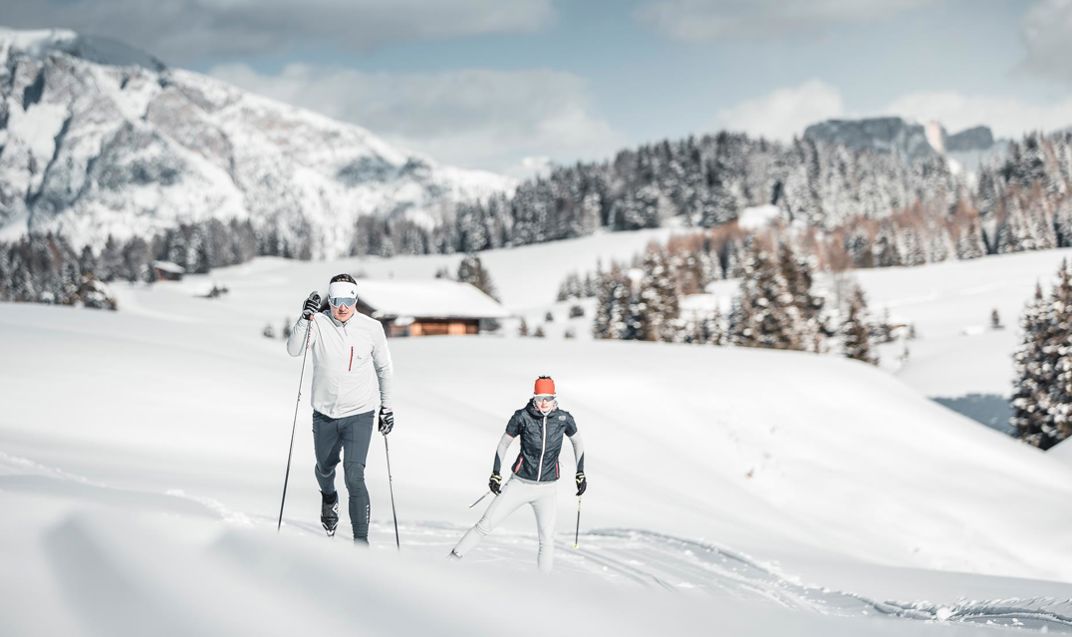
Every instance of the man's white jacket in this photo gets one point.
(351, 363)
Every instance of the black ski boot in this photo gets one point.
(329, 512)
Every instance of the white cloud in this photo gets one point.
(1006, 116)
(784, 112)
(692, 20)
(495, 120)
(1047, 33)
(182, 30)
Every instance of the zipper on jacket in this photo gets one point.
(543, 449)
(350, 367)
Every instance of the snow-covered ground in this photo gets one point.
(1063, 452)
(746, 492)
(956, 352)
(956, 358)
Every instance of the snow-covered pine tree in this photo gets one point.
(612, 304)
(884, 247)
(72, 280)
(137, 256)
(471, 222)
(243, 240)
(570, 288)
(219, 244)
(5, 273)
(710, 330)
(1062, 219)
(110, 263)
(635, 308)
(659, 296)
(1030, 396)
(1059, 349)
(855, 330)
(911, 247)
(764, 314)
(591, 282)
(472, 271)
(23, 286)
(799, 278)
(969, 242)
(1039, 211)
(87, 261)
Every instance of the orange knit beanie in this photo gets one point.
(544, 385)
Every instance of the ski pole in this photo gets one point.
(391, 485)
(480, 500)
(293, 426)
(577, 531)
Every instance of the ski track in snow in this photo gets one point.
(678, 563)
(627, 557)
(635, 557)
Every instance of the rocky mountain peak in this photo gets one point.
(98, 138)
(883, 134)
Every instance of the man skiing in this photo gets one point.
(540, 424)
(351, 378)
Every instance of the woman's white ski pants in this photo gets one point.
(515, 493)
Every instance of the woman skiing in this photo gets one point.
(541, 425)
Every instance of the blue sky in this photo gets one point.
(508, 86)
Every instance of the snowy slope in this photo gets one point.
(144, 451)
(957, 353)
(97, 142)
(1063, 452)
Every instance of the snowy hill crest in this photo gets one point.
(97, 138)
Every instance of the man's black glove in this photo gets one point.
(387, 420)
(582, 482)
(311, 306)
(495, 483)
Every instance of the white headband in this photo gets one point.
(342, 290)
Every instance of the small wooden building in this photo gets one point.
(167, 271)
(436, 307)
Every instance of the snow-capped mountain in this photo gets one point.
(97, 138)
